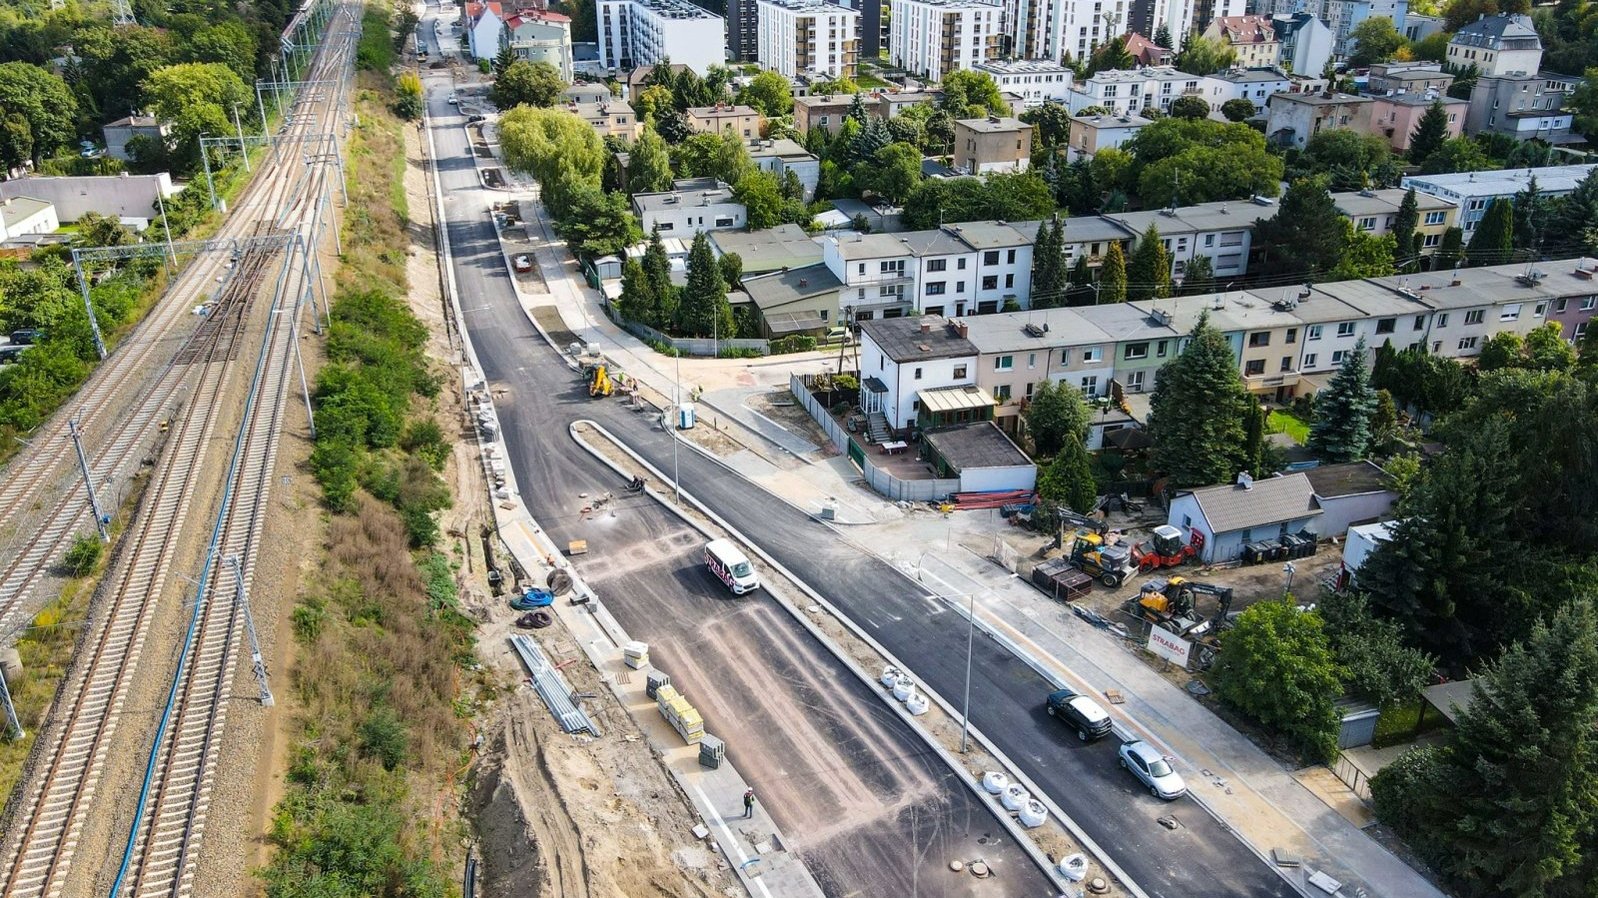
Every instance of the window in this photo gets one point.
(918, 374)
(937, 264)
(959, 264)
(1004, 363)
(1346, 329)
(1009, 257)
(1367, 224)
(1383, 326)
(1287, 363)
(959, 286)
(1442, 319)
(1420, 322)
(1309, 360)
(1475, 316)
(1137, 351)
(664, 225)
(1587, 303)
(1031, 360)
(1466, 343)
(1509, 312)
(1209, 240)
(1313, 332)
(1259, 338)
(1432, 241)
(723, 222)
(1580, 331)
(1559, 306)
(1159, 348)
(1002, 392)
(1009, 281)
(1255, 367)
(991, 257)
(1134, 381)
(1435, 218)
(1338, 356)
(1090, 385)
(1539, 310)
(935, 288)
(932, 310)
(1292, 335)
(1092, 354)
(1029, 387)
(990, 282)
(959, 372)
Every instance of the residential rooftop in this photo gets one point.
(1021, 67)
(813, 6)
(1128, 120)
(1386, 202)
(784, 246)
(1146, 73)
(1269, 500)
(1550, 179)
(722, 110)
(979, 444)
(994, 124)
(779, 288)
(1036, 329)
(1491, 31)
(680, 198)
(17, 209)
(1318, 98)
(675, 9)
(918, 339)
(1350, 479)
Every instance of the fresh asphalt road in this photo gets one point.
(861, 800)
(1200, 856)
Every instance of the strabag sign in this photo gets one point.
(1169, 646)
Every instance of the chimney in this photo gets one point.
(926, 326)
(1245, 481)
(960, 328)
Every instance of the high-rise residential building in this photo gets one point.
(807, 37)
(743, 29)
(1053, 29)
(931, 38)
(871, 32)
(645, 32)
(1339, 15)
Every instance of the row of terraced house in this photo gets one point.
(929, 371)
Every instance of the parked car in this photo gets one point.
(10, 352)
(1152, 769)
(454, 100)
(1080, 713)
(26, 336)
(522, 263)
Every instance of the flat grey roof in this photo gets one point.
(978, 445)
(1550, 179)
(784, 246)
(903, 340)
(677, 199)
(988, 234)
(1113, 121)
(779, 288)
(1322, 308)
(1351, 479)
(1124, 321)
(870, 246)
(1386, 201)
(994, 124)
(1219, 216)
(1088, 229)
(1271, 500)
(1007, 331)
(1317, 99)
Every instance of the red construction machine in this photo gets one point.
(1166, 548)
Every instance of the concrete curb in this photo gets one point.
(1076, 831)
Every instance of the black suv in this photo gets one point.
(1080, 713)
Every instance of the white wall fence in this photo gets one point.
(895, 488)
(699, 346)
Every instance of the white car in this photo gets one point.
(1153, 769)
(454, 100)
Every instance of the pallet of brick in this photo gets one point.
(680, 714)
(636, 655)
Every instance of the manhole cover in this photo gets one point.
(1170, 822)
(1098, 886)
(957, 866)
(980, 870)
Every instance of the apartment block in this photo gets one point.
(1091, 133)
(1292, 119)
(931, 38)
(974, 268)
(1252, 38)
(691, 206)
(1396, 117)
(1035, 81)
(1016, 354)
(1375, 212)
(782, 156)
(744, 121)
(1222, 231)
(1512, 96)
(1473, 192)
(992, 144)
(807, 37)
(645, 32)
(538, 35)
(1127, 91)
(1306, 42)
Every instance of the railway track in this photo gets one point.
(41, 495)
(42, 832)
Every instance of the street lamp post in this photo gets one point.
(970, 644)
(1289, 570)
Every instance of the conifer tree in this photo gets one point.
(1198, 277)
(1342, 428)
(1430, 133)
(704, 298)
(1112, 275)
(662, 292)
(1406, 239)
(1197, 412)
(1493, 243)
(1048, 265)
(1149, 274)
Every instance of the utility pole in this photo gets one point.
(249, 627)
(11, 710)
(970, 645)
(676, 413)
(100, 517)
(244, 151)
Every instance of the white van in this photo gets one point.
(731, 566)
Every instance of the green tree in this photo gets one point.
(1149, 274)
(703, 311)
(596, 223)
(557, 148)
(768, 92)
(1376, 665)
(732, 269)
(1048, 265)
(1451, 250)
(16, 141)
(1110, 55)
(1583, 104)
(1493, 242)
(1238, 110)
(1506, 807)
(657, 275)
(530, 83)
(44, 101)
(1406, 236)
(648, 164)
(408, 96)
(1364, 255)
(637, 301)
(1067, 480)
(893, 172)
(761, 196)
(95, 229)
(1188, 106)
(1198, 277)
(1532, 210)
(197, 98)
(1342, 428)
(653, 102)
(1548, 350)
(1051, 122)
(1375, 40)
(1202, 56)
(504, 59)
(1502, 350)
(1305, 236)
(229, 43)
(1112, 275)
(1196, 411)
(1430, 133)
(1055, 416)
(968, 93)
(1351, 160)
(1276, 666)
(1457, 154)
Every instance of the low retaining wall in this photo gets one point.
(895, 488)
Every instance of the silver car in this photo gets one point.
(1149, 766)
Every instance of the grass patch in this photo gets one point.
(1284, 421)
(869, 81)
(379, 735)
(1399, 722)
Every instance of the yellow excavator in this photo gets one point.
(599, 382)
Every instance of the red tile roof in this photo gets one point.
(1145, 51)
(1245, 29)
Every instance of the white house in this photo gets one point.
(1358, 492)
(807, 37)
(538, 35)
(922, 35)
(781, 156)
(645, 32)
(1473, 192)
(24, 215)
(484, 24)
(691, 206)
(910, 356)
(1306, 42)
(1234, 514)
(1035, 81)
(1126, 91)
(973, 268)
(1222, 231)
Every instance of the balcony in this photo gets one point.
(1263, 382)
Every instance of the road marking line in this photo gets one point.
(721, 823)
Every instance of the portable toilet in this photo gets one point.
(686, 417)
